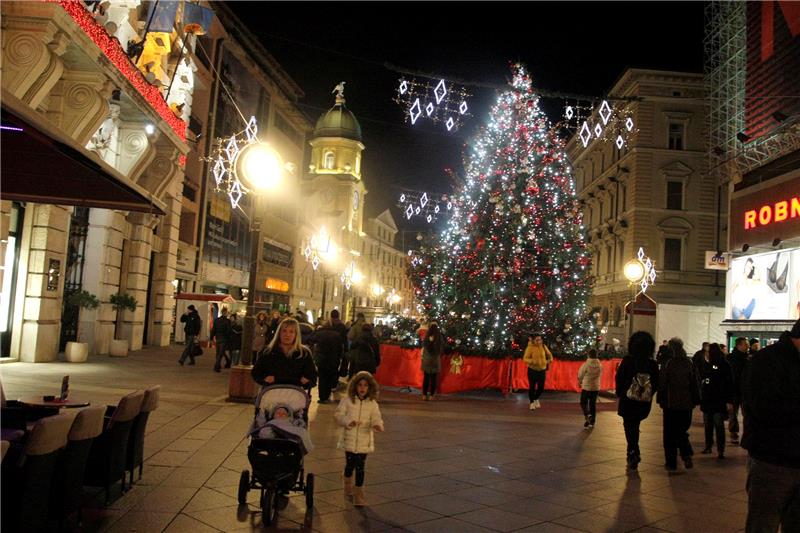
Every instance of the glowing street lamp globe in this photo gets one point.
(259, 166)
(634, 270)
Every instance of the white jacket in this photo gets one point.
(589, 375)
(358, 439)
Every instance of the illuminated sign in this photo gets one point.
(764, 287)
(765, 212)
(768, 214)
(279, 285)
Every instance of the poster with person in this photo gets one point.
(764, 286)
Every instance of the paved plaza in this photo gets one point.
(461, 463)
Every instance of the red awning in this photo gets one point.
(40, 164)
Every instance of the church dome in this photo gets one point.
(338, 121)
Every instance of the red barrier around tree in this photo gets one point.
(401, 367)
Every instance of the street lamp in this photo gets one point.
(640, 273)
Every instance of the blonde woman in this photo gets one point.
(285, 360)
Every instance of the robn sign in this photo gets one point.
(763, 215)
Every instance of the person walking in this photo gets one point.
(432, 347)
(359, 417)
(221, 334)
(755, 346)
(328, 353)
(260, 332)
(235, 340)
(355, 329)
(285, 359)
(700, 355)
(538, 358)
(663, 354)
(678, 394)
(589, 381)
(716, 387)
(636, 380)
(737, 360)
(770, 404)
(365, 352)
(192, 326)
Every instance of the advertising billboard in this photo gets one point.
(764, 287)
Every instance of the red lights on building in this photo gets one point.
(113, 50)
(772, 213)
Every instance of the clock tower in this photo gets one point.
(335, 190)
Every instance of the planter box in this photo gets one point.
(76, 352)
(118, 348)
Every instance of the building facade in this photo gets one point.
(654, 193)
(119, 112)
(752, 71)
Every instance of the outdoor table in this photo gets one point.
(39, 401)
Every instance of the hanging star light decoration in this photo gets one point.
(223, 162)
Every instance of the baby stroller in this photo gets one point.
(277, 461)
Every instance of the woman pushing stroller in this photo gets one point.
(285, 360)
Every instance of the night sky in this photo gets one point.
(572, 47)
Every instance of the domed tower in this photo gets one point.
(334, 172)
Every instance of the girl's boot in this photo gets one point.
(358, 497)
(348, 485)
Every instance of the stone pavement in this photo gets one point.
(461, 463)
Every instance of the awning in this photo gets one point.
(40, 164)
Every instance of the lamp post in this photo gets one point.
(640, 273)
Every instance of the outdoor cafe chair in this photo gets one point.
(136, 441)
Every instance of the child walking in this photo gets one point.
(359, 417)
(589, 382)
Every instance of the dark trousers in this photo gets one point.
(773, 497)
(715, 423)
(429, 383)
(589, 403)
(536, 383)
(222, 346)
(676, 435)
(328, 379)
(189, 349)
(733, 421)
(355, 461)
(631, 425)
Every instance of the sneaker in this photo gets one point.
(532, 406)
(687, 462)
(538, 405)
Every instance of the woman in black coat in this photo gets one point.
(285, 360)
(638, 366)
(716, 388)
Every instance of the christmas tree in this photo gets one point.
(512, 259)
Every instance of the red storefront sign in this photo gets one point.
(766, 214)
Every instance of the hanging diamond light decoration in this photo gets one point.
(598, 130)
(569, 112)
(235, 194)
(251, 131)
(629, 124)
(585, 134)
(462, 108)
(219, 171)
(424, 200)
(403, 87)
(232, 149)
(439, 92)
(605, 112)
(315, 262)
(620, 142)
(429, 109)
(450, 123)
(409, 212)
(415, 111)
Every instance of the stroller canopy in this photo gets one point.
(289, 395)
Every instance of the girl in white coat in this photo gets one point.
(589, 382)
(359, 417)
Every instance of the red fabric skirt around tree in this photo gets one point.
(402, 367)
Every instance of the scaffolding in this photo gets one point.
(725, 50)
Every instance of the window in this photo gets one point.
(330, 161)
(674, 195)
(676, 136)
(672, 254)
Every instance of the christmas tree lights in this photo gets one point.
(512, 259)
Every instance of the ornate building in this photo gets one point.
(95, 202)
(655, 193)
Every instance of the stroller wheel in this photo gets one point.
(269, 506)
(244, 486)
(309, 491)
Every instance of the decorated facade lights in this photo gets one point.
(607, 123)
(435, 99)
(351, 276)
(428, 206)
(318, 248)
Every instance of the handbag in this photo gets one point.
(197, 351)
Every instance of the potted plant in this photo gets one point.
(120, 302)
(78, 352)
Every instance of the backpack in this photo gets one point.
(640, 389)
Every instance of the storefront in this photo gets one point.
(763, 281)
